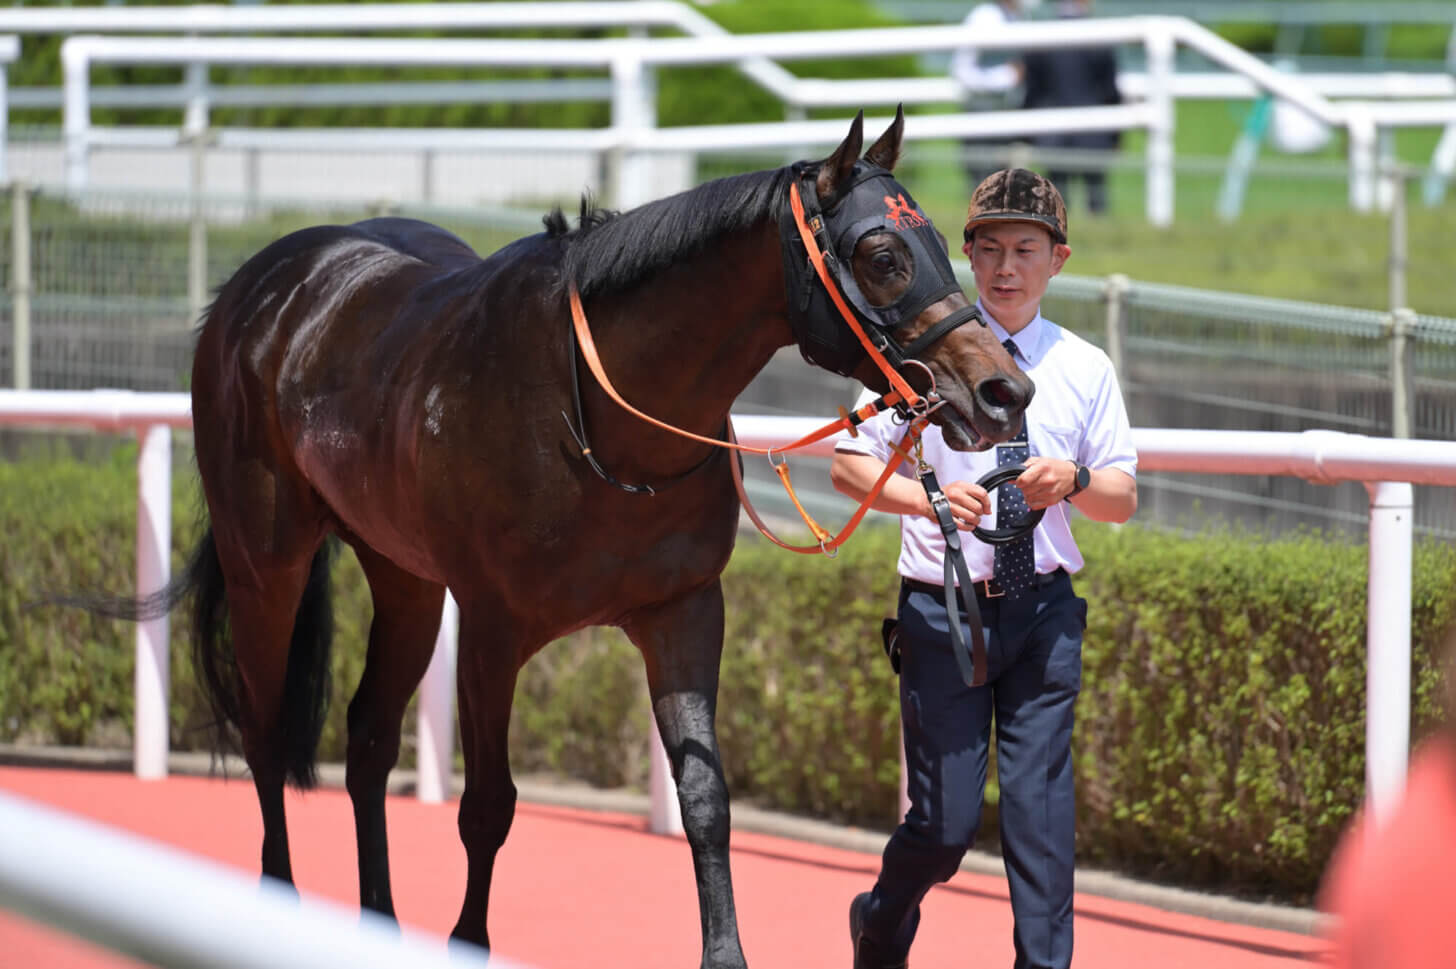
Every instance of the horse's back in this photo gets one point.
(423, 240)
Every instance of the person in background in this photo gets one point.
(987, 81)
(1391, 880)
(1076, 445)
(1074, 77)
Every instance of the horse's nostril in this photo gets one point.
(999, 393)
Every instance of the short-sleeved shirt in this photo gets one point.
(1076, 413)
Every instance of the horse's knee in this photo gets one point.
(703, 797)
(372, 753)
(485, 816)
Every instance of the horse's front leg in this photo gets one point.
(486, 677)
(681, 643)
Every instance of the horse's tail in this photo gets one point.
(307, 680)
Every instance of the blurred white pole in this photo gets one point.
(1388, 638)
(664, 813)
(166, 908)
(9, 52)
(1160, 51)
(633, 111)
(75, 113)
(1363, 138)
(435, 758)
(154, 542)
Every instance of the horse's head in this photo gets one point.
(893, 271)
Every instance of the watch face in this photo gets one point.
(1084, 476)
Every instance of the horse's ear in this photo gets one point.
(886, 151)
(835, 169)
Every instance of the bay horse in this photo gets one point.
(382, 383)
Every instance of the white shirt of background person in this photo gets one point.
(965, 64)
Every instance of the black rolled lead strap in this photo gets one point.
(1000, 536)
(972, 662)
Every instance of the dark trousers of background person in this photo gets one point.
(1093, 178)
(982, 156)
(1034, 653)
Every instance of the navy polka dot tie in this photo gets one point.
(1015, 562)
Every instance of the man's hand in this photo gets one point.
(1046, 481)
(968, 502)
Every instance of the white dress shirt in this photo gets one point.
(1076, 413)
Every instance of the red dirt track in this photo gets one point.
(577, 888)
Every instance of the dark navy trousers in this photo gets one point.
(1034, 656)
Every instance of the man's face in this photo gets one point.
(1013, 262)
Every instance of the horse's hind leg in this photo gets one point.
(274, 611)
(401, 640)
(486, 674)
(681, 643)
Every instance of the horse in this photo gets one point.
(381, 384)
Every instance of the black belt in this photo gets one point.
(985, 589)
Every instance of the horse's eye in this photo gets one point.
(883, 262)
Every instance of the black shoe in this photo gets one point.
(867, 953)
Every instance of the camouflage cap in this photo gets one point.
(1017, 195)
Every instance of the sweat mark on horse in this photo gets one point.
(382, 383)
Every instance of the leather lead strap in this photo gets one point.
(972, 662)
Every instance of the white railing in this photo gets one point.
(1387, 466)
(631, 62)
(170, 909)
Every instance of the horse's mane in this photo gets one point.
(609, 251)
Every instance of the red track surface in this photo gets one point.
(577, 888)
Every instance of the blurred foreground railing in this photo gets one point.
(177, 911)
(1386, 466)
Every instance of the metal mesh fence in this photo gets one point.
(1200, 359)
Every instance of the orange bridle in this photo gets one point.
(901, 394)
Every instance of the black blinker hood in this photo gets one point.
(872, 202)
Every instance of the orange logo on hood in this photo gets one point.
(903, 214)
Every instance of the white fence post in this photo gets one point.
(435, 757)
(1161, 49)
(633, 111)
(76, 113)
(154, 543)
(9, 51)
(1363, 138)
(1388, 638)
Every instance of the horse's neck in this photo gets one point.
(696, 335)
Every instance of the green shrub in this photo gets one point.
(1221, 727)
(1220, 733)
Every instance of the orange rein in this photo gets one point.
(900, 391)
(847, 421)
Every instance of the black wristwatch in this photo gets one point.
(1080, 480)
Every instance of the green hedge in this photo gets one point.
(1220, 731)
